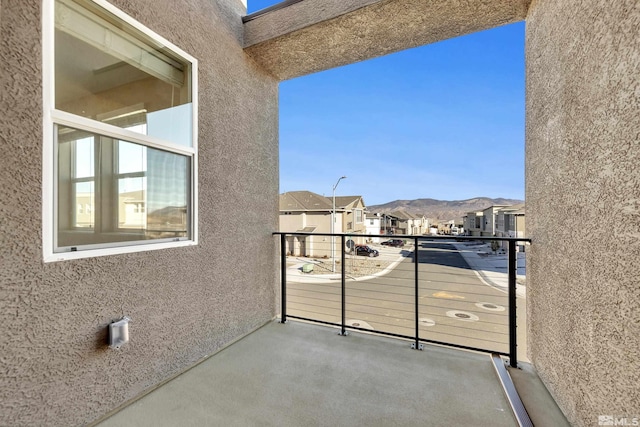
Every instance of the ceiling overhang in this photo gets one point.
(304, 37)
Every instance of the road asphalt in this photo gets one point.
(456, 303)
(491, 268)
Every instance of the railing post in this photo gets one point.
(416, 261)
(343, 275)
(513, 337)
(283, 275)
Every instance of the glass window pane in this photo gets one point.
(84, 158)
(84, 195)
(167, 200)
(173, 124)
(131, 157)
(136, 193)
(132, 200)
(112, 73)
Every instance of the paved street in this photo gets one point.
(455, 305)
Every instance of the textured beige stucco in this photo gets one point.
(583, 204)
(316, 35)
(185, 303)
(582, 190)
(297, 16)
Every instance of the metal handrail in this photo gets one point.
(407, 236)
(512, 298)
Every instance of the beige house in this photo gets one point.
(307, 212)
(488, 225)
(473, 223)
(450, 227)
(482, 223)
(189, 90)
(510, 221)
(132, 210)
(417, 224)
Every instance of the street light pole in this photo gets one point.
(333, 221)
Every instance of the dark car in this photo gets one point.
(366, 251)
(393, 242)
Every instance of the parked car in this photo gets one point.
(366, 251)
(393, 242)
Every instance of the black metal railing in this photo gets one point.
(446, 290)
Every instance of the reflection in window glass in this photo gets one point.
(132, 194)
(106, 73)
(136, 193)
(84, 195)
(131, 157)
(84, 158)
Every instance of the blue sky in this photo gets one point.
(443, 121)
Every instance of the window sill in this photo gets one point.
(92, 253)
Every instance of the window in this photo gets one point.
(358, 214)
(121, 141)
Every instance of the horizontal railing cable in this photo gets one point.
(423, 292)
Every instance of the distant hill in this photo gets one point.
(441, 209)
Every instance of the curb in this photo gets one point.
(321, 279)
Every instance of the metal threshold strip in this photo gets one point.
(519, 411)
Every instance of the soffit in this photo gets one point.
(315, 35)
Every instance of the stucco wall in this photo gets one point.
(185, 303)
(316, 35)
(583, 204)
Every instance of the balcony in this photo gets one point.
(298, 374)
(321, 367)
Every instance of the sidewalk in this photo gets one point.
(294, 272)
(493, 269)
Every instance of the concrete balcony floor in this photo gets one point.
(298, 374)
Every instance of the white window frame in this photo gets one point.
(358, 213)
(52, 116)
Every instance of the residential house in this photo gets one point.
(397, 222)
(194, 89)
(417, 224)
(133, 210)
(473, 223)
(373, 227)
(354, 213)
(452, 226)
(392, 224)
(308, 212)
(99, 100)
(488, 225)
(402, 222)
(510, 222)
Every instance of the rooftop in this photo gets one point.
(309, 201)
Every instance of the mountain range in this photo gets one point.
(442, 209)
